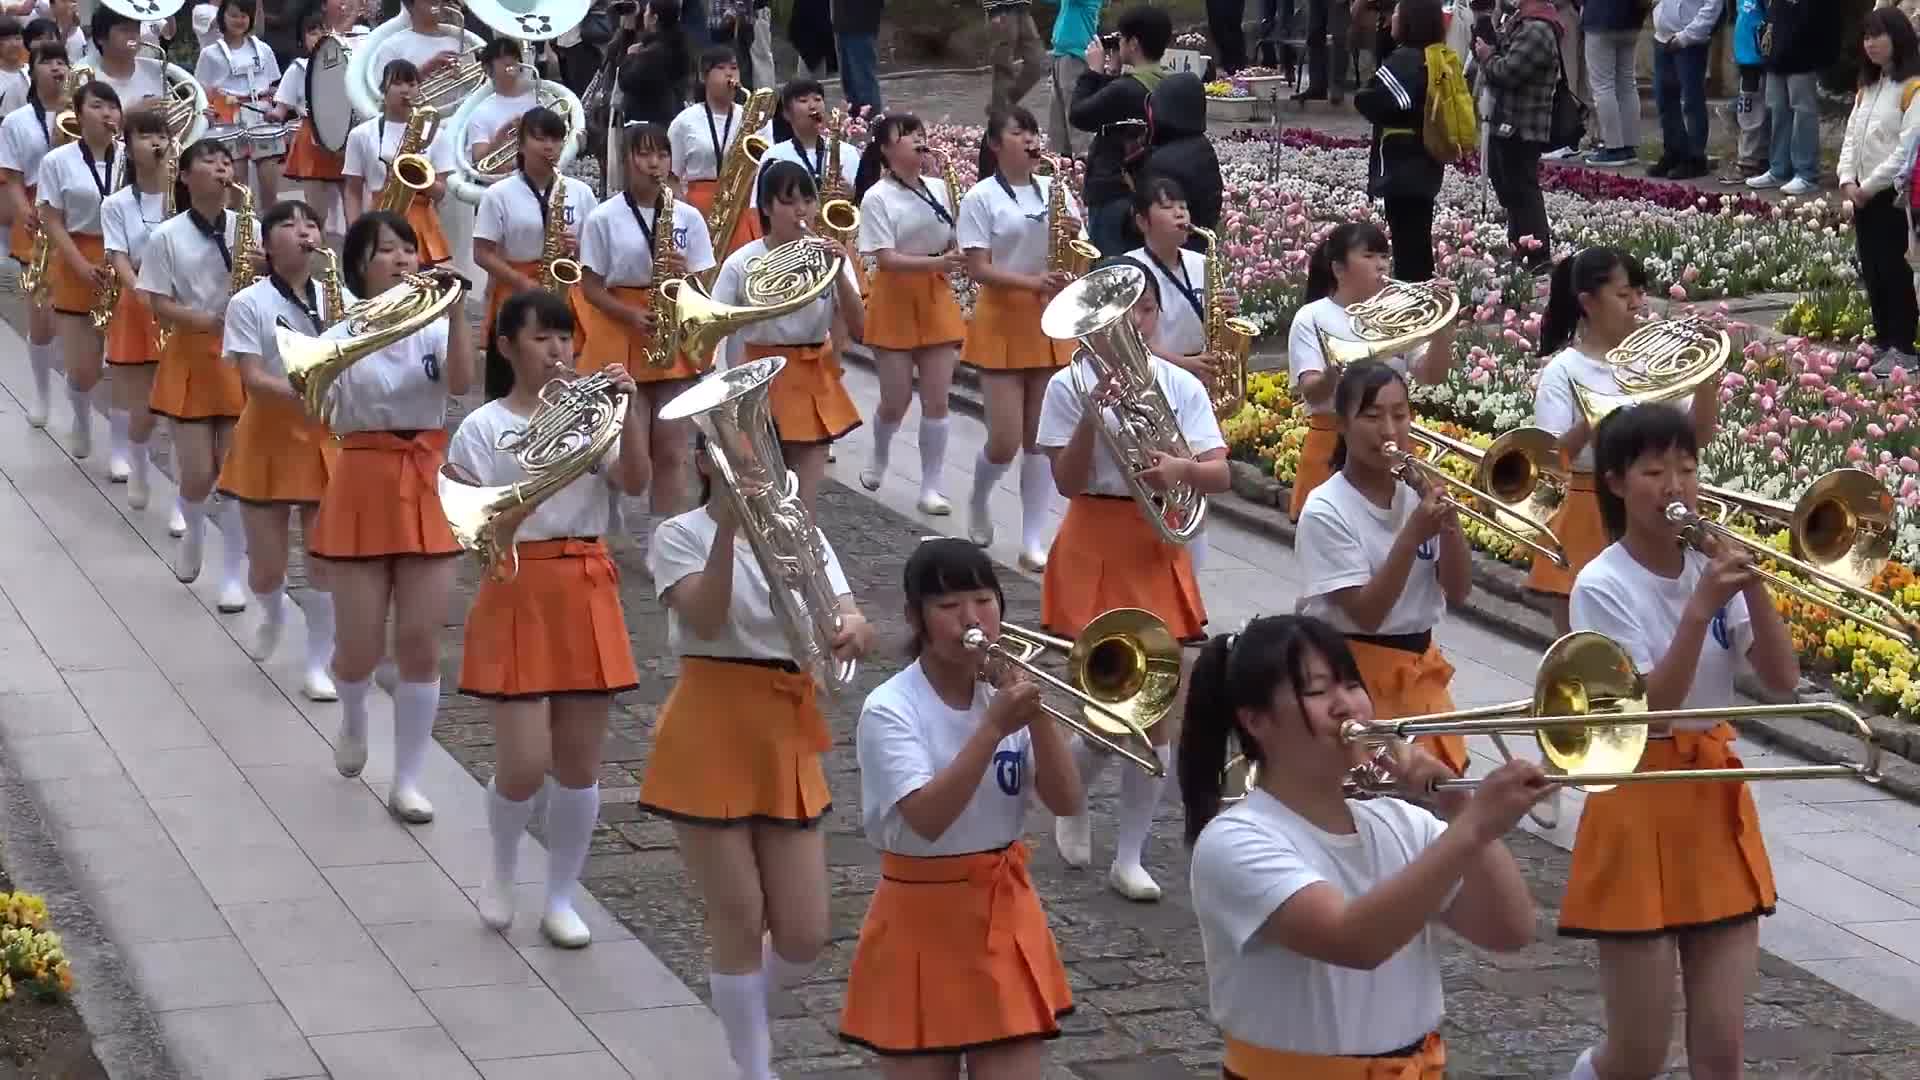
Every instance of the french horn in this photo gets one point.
(1401, 316)
(778, 283)
(314, 364)
(1661, 360)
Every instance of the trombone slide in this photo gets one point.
(1411, 465)
(976, 640)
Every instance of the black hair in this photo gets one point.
(284, 211)
(672, 37)
(499, 47)
(1338, 244)
(1582, 273)
(44, 53)
(714, 56)
(1153, 283)
(1155, 190)
(40, 29)
(999, 122)
(1359, 385)
(1152, 27)
(10, 27)
(146, 118)
(205, 148)
(363, 239)
(399, 70)
(782, 180)
(96, 90)
(645, 134)
(1623, 436)
(543, 122)
(873, 163)
(1244, 671)
(536, 307)
(700, 455)
(102, 23)
(939, 566)
(220, 16)
(795, 89)
(1422, 23)
(1905, 62)
(315, 19)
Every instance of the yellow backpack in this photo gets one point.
(1451, 127)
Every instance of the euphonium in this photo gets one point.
(576, 423)
(782, 281)
(243, 273)
(1229, 339)
(1067, 253)
(661, 298)
(314, 364)
(733, 182)
(1662, 360)
(558, 272)
(411, 172)
(1093, 311)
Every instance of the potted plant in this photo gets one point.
(1229, 101)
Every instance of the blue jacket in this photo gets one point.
(1749, 18)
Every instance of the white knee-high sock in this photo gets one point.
(1139, 798)
(82, 402)
(883, 434)
(571, 814)
(194, 513)
(933, 452)
(985, 474)
(1583, 1069)
(741, 1003)
(506, 822)
(140, 459)
(1197, 550)
(233, 544)
(1036, 500)
(118, 422)
(319, 612)
(272, 604)
(414, 704)
(42, 359)
(353, 706)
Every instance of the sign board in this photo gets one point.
(1187, 60)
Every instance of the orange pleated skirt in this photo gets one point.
(1247, 1062)
(1402, 684)
(1316, 460)
(195, 382)
(913, 310)
(19, 237)
(739, 743)
(308, 160)
(1005, 332)
(226, 107)
(1107, 556)
(614, 342)
(498, 291)
(701, 193)
(556, 628)
(424, 216)
(383, 498)
(132, 336)
(809, 402)
(1582, 533)
(278, 455)
(954, 955)
(72, 294)
(1652, 859)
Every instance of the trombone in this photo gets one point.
(1125, 671)
(1414, 471)
(1520, 470)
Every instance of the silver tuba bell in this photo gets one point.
(1093, 311)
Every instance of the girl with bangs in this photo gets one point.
(315, 168)
(74, 182)
(705, 132)
(240, 72)
(127, 217)
(25, 138)
(372, 146)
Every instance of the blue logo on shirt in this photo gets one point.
(1007, 765)
(1719, 627)
(431, 364)
(1427, 550)
(680, 239)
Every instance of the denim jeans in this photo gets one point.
(1795, 107)
(1616, 94)
(1066, 71)
(859, 79)
(1680, 92)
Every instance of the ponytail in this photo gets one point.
(1582, 273)
(873, 161)
(1334, 248)
(1202, 759)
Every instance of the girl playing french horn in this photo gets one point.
(25, 137)
(126, 218)
(74, 182)
(549, 647)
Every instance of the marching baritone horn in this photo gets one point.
(1661, 360)
(314, 364)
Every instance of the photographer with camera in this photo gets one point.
(1110, 100)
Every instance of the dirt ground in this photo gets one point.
(41, 1041)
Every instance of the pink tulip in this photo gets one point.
(1875, 431)
(1677, 291)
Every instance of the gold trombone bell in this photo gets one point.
(1519, 474)
(1408, 466)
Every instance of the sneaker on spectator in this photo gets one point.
(1764, 181)
(1799, 185)
(1561, 154)
(1614, 158)
(1659, 169)
(1737, 172)
(1691, 169)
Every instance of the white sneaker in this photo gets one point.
(350, 755)
(118, 471)
(233, 599)
(934, 504)
(1074, 837)
(80, 441)
(37, 412)
(319, 687)
(496, 905)
(565, 929)
(979, 528)
(1764, 181)
(409, 806)
(1134, 883)
(1799, 185)
(138, 492)
(186, 561)
(870, 479)
(1034, 560)
(176, 522)
(266, 638)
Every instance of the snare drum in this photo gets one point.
(265, 142)
(232, 137)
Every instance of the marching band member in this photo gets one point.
(1006, 235)
(239, 72)
(907, 225)
(618, 277)
(510, 234)
(421, 42)
(67, 29)
(804, 101)
(1347, 266)
(704, 132)
(315, 168)
(25, 137)
(1317, 912)
(280, 456)
(811, 407)
(955, 959)
(736, 762)
(186, 274)
(1674, 874)
(380, 526)
(1110, 556)
(117, 62)
(496, 121)
(127, 217)
(1382, 559)
(371, 148)
(74, 181)
(14, 79)
(548, 648)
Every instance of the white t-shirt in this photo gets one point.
(580, 509)
(894, 216)
(78, 47)
(1014, 231)
(1061, 409)
(1616, 596)
(679, 549)
(1303, 344)
(242, 71)
(511, 215)
(412, 45)
(808, 326)
(373, 144)
(127, 218)
(185, 265)
(1343, 542)
(814, 159)
(70, 186)
(490, 114)
(693, 143)
(255, 314)
(403, 387)
(1256, 856)
(613, 245)
(23, 142)
(148, 80)
(13, 90)
(906, 735)
(1555, 408)
(1182, 329)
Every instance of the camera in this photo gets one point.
(1110, 42)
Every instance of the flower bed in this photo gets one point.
(31, 962)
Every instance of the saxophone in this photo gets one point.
(108, 297)
(37, 278)
(169, 172)
(243, 273)
(1229, 340)
(411, 173)
(660, 353)
(733, 182)
(1067, 253)
(558, 273)
(838, 219)
(330, 290)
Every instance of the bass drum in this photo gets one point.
(467, 182)
(328, 102)
(529, 20)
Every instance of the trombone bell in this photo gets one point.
(1129, 740)
(1128, 661)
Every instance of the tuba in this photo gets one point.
(314, 364)
(661, 298)
(558, 271)
(1229, 339)
(576, 423)
(1067, 253)
(1397, 318)
(1662, 360)
(1093, 311)
(780, 282)
(243, 273)
(410, 174)
(733, 182)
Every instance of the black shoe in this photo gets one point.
(1310, 94)
(1661, 168)
(1690, 169)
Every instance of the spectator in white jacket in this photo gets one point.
(1682, 30)
(1881, 132)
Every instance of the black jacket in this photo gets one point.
(857, 16)
(650, 87)
(1395, 101)
(1614, 14)
(1806, 36)
(1114, 107)
(1177, 133)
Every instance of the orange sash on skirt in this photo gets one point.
(1652, 859)
(1247, 1062)
(701, 193)
(1316, 460)
(809, 402)
(739, 742)
(1107, 556)
(194, 380)
(132, 334)
(498, 290)
(913, 309)
(1404, 683)
(954, 955)
(226, 107)
(556, 628)
(614, 342)
(1005, 332)
(19, 237)
(72, 294)
(279, 455)
(308, 160)
(424, 216)
(1582, 533)
(383, 498)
